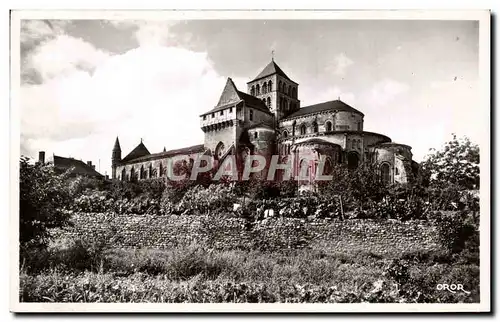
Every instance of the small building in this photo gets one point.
(78, 167)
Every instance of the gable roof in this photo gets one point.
(336, 105)
(138, 152)
(231, 96)
(79, 167)
(271, 69)
(165, 154)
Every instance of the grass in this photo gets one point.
(195, 274)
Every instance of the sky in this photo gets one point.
(85, 82)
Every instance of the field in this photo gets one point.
(73, 273)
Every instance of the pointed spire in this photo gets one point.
(272, 55)
(117, 144)
(164, 149)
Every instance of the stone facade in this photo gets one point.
(269, 120)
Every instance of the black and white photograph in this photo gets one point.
(231, 160)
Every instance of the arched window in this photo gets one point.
(269, 102)
(150, 171)
(252, 91)
(132, 174)
(256, 135)
(385, 173)
(328, 126)
(281, 104)
(124, 175)
(285, 103)
(160, 170)
(328, 167)
(293, 128)
(315, 127)
(250, 116)
(302, 129)
(141, 175)
(285, 134)
(280, 87)
(289, 90)
(270, 86)
(264, 88)
(294, 92)
(304, 170)
(352, 160)
(219, 150)
(257, 89)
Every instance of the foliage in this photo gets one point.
(195, 274)
(458, 231)
(457, 163)
(150, 188)
(43, 194)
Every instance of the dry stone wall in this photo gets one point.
(229, 232)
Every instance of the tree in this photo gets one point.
(43, 194)
(457, 164)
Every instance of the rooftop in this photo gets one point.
(79, 167)
(336, 105)
(271, 69)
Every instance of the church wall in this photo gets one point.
(216, 117)
(226, 135)
(155, 166)
(400, 174)
(348, 121)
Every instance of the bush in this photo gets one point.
(457, 231)
(67, 255)
(43, 195)
(150, 188)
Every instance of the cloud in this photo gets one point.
(340, 64)
(152, 92)
(61, 55)
(33, 32)
(385, 91)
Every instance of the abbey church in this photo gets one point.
(268, 120)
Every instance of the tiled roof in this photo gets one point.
(79, 167)
(337, 105)
(182, 151)
(261, 125)
(138, 152)
(270, 69)
(315, 141)
(231, 96)
(254, 102)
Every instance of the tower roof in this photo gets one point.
(117, 145)
(231, 95)
(271, 69)
(138, 152)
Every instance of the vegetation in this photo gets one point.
(196, 274)
(265, 269)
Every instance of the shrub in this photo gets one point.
(457, 231)
(201, 199)
(43, 195)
